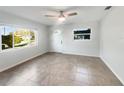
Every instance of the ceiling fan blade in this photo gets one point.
(50, 16)
(108, 7)
(72, 14)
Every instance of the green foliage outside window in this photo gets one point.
(17, 39)
(7, 41)
(32, 35)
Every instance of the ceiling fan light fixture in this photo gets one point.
(61, 19)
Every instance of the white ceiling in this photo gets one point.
(36, 13)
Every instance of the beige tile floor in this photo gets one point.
(55, 69)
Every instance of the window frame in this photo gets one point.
(79, 29)
(18, 48)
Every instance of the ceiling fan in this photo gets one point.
(62, 15)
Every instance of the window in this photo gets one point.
(12, 37)
(23, 37)
(82, 34)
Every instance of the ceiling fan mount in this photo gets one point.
(61, 14)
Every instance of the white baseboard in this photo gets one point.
(80, 54)
(1, 70)
(75, 53)
(106, 62)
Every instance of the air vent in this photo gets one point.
(108, 7)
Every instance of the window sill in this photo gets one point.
(17, 48)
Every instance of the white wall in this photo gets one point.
(15, 56)
(112, 41)
(81, 47)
